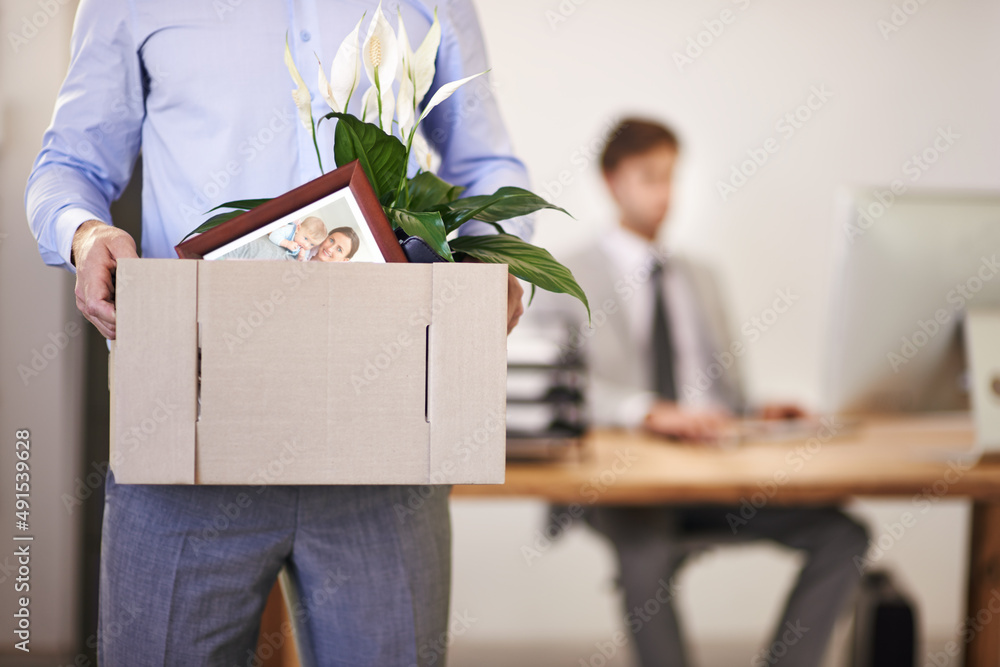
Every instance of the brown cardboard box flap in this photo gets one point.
(467, 390)
(155, 376)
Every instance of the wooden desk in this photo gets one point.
(919, 458)
(916, 457)
(885, 457)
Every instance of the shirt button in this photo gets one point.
(305, 35)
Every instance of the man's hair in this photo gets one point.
(314, 226)
(635, 136)
(349, 233)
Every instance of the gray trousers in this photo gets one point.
(186, 570)
(653, 542)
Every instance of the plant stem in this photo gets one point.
(406, 165)
(378, 94)
(316, 146)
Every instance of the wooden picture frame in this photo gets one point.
(344, 194)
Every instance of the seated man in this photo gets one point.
(648, 364)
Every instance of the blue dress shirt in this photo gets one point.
(201, 87)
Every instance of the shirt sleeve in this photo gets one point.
(280, 234)
(467, 130)
(612, 404)
(89, 150)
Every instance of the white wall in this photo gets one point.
(560, 82)
(36, 307)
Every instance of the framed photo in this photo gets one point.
(334, 218)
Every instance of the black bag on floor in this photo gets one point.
(885, 625)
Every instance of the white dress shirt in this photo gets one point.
(632, 260)
(202, 88)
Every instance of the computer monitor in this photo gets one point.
(910, 264)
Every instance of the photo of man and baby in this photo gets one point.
(329, 230)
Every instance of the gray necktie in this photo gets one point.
(661, 341)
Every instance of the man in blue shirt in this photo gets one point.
(202, 90)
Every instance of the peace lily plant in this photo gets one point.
(424, 205)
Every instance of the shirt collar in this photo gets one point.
(628, 251)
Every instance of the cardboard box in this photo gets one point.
(266, 372)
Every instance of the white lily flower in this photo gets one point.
(303, 101)
(407, 107)
(424, 58)
(370, 107)
(417, 72)
(324, 88)
(345, 73)
(422, 153)
(444, 92)
(380, 55)
(368, 115)
(407, 101)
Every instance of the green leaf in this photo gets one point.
(214, 221)
(245, 204)
(382, 156)
(428, 191)
(524, 260)
(427, 225)
(505, 203)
